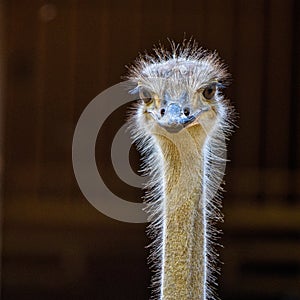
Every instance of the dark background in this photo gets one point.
(56, 56)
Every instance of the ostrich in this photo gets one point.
(179, 126)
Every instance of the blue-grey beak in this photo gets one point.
(174, 117)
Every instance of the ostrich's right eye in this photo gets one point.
(145, 95)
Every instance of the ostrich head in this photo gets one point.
(179, 89)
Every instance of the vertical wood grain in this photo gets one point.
(21, 101)
(277, 83)
(56, 96)
(2, 86)
(247, 84)
(248, 80)
(277, 104)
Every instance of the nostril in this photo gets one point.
(186, 111)
(162, 112)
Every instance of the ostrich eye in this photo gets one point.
(209, 92)
(145, 95)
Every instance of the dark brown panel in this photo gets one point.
(21, 99)
(248, 80)
(56, 84)
(277, 83)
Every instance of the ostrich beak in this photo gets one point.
(174, 117)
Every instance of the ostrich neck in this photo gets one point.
(184, 227)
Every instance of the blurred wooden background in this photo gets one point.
(56, 57)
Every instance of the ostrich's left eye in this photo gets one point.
(145, 95)
(209, 92)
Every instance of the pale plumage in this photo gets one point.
(180, 126)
